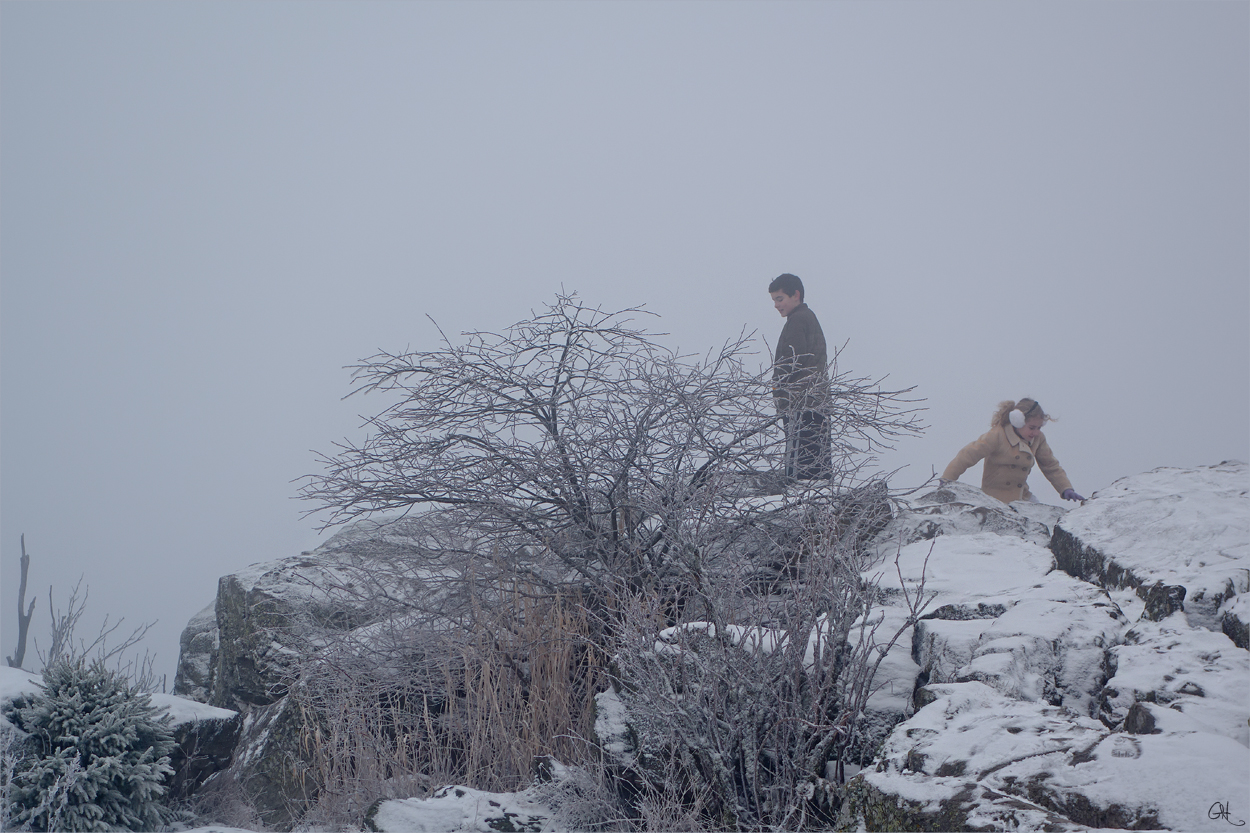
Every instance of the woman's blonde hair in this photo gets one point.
(1029, 407)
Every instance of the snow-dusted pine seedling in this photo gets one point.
(100, 753)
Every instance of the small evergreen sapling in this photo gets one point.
(100, 753)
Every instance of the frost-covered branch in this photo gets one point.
(66, 646)
(576, 437)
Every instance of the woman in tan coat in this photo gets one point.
(1011, 446)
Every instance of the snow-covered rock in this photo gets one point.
(1179, 537)
(1003, 616)
(240, 651)
(244, 651)
(961, 509)
(1045, 702)
(997, 613)
(1183, 670)
(974, 759)
(461, 810)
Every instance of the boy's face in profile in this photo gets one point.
(785, 304)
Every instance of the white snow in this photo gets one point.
(455, 809)
(962, 509)
(1188, 527)
(1004, 616)
(14, 683)
(183, 710)
(610, 725)
(974, 735)
(1191, 671)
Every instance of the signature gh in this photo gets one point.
(1221, 811)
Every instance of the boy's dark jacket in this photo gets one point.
(799, 363)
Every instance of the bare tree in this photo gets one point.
(581, 447)
(574, 457)
(23, 619)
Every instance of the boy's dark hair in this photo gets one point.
(788, 284)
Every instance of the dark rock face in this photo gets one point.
(961, 613)
(204, 748)
(1088, 564)
(239, 652)
(1139, 721)
(1236, 628)
(197, 656)
(1162, 600)
(243, 653)
(271, 758)
(250, 670)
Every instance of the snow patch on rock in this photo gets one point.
(1185, 532)
(959, 757)
(960, 509)
(1045, 702)
(460, 809)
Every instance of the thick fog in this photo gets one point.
(208, 209)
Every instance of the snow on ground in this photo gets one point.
(14, 683)
(463, 809)
(1045, 700)
(962, 509)
(1190, 671)
(183, 710)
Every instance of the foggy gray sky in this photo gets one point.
(208, 209)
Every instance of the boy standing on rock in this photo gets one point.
(800, 387)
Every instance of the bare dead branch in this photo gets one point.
(23, 619)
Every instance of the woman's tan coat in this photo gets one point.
(1008, 461)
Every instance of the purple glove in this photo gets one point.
(1070, 494)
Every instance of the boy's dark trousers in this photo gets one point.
(807, 446)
